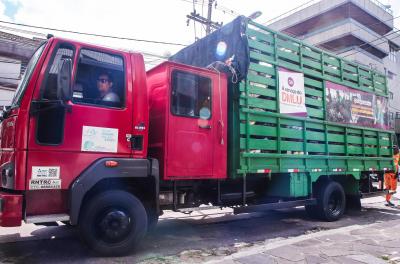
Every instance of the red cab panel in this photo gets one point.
(10, 209)
(64, 141)
(188, 113)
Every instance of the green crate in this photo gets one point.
(261, 138)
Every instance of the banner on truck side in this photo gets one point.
(349, 106)
(292, 98)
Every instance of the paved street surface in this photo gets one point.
(284, 236)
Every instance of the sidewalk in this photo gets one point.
(374, 243)
(377, 243)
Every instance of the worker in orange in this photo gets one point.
(391, 177)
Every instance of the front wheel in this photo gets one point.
(113, 222)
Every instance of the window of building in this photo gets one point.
(397, 115)
(99, 79)
(391, 115)
(393, 52)
(390, 95)
(191, 95)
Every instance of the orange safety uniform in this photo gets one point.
(391, 178)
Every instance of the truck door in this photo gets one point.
(65, 138)
(196, 138)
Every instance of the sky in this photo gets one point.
(162, 20)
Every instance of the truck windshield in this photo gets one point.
(26, 77)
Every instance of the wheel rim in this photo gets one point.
(113, 225)
(335, 203)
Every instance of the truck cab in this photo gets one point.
(62, 121)
(74, 142)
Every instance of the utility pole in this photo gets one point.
(196, 17)
(208, 28)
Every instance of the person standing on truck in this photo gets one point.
(391, 178)
(105, 88)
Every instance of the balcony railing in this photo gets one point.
(312, 2)
(384, 7)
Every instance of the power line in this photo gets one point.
(7, 78)
(287, 12)
(10, 62)
(221, 8)
(207, 21)
(94, 34)
(370, 42)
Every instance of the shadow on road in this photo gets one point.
(62, 244)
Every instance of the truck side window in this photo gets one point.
(99, 79)
(49, 88)
(50, 120)
(191, 95)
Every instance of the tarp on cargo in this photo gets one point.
(230, 41)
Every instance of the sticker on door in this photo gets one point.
(44, 184)
(99, 139)
(45, 172)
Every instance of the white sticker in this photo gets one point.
(41, 172)
(44, 184)
(99, 139)
(292, 98)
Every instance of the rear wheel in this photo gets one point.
(113, 222)
(331, 202)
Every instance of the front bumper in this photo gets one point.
(10, 209)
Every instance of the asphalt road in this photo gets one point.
(178, 234)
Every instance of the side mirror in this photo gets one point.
(64, 80)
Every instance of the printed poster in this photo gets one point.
(349, 106)
(99, 139)
(292, 99)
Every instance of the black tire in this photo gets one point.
(112, 223)
(152, 219)
(331, 201)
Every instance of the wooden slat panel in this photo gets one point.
(261, 46)
(262, 91)
(261, 57)
(314, 102)
(261, 79)
(261, 68)
(289, 55)
(260, 35)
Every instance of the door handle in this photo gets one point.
(205, 126)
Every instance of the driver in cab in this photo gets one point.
(105, 88)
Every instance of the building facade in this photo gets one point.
(15, 52)
(358, 30)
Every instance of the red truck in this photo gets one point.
(93, 140)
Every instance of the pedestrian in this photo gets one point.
(391, 177)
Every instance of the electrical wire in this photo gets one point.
(8, 78)
(10, 62)
(370, 42)
(287, 12)
(93, 34)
